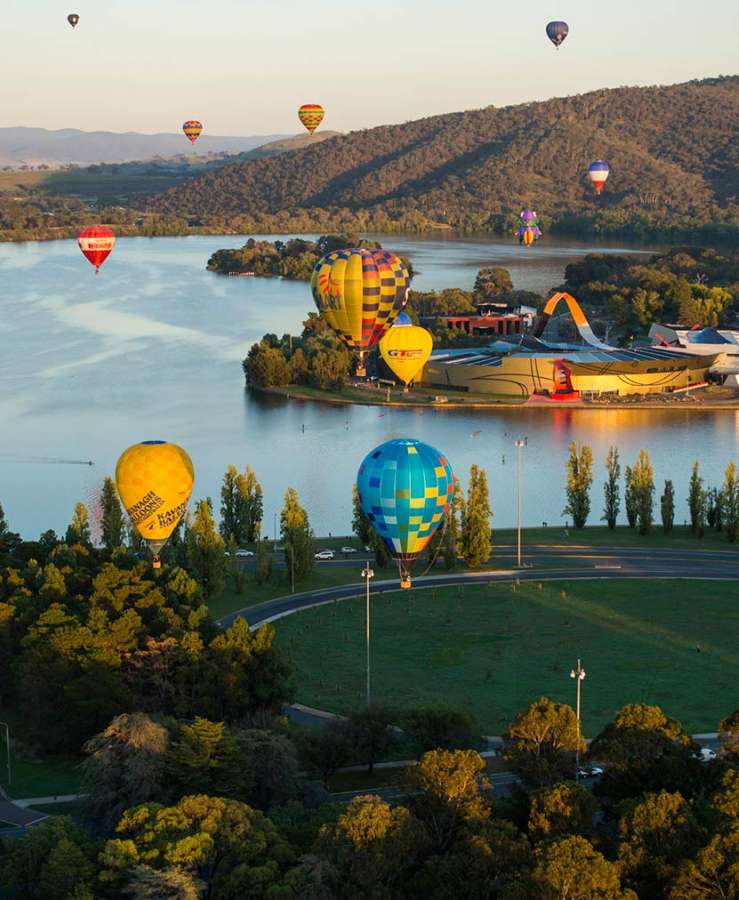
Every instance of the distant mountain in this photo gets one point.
(673, 153)
(37, 146)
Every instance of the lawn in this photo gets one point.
(622, 536)
(47, 777)
(493, 649)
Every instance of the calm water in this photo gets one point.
(152, 348)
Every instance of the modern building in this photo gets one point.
(721, 343)
(525, 366)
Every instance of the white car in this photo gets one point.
(324, 554)
(707, 754)
(243, 554)
(348, 550)
(590, 772)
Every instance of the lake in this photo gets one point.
(152, 348)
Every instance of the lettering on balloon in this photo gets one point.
(145, 507)
(171, 516)
(405, 354)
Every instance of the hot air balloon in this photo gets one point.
(73, 19)
(528, 216)
(528, 231)
(557, 32)
(192, 129)
(598, 174)
(311, 115)
(405, 487)
(96, 242)
(154, 481)
(406, 348)
(359, 293)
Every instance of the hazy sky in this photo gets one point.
(244, 66)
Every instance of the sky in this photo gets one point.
(244, 66)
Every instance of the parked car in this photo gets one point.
(707, 754)
(589, 772)
(324, 554)
(348, 550)
(243, 554)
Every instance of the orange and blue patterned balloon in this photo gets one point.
(192, 129)
(311, 115)
(405, 487)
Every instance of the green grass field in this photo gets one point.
(493, 649)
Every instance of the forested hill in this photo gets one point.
(673, 153)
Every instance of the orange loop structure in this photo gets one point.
(578, 316)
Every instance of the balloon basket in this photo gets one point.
(405, 582)
(156, 563)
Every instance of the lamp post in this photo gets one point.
(579, 675)
(274, 532)
(7, 745)
(520, 443)
(367, 573)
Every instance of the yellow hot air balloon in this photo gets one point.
(359, 292)
(154, 481)
(406, 348)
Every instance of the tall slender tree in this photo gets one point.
(453, 526)
(667, 507)
(612, 489)
(579, 480)
(249, 506)
(730, 499)
(78, 531)
(631, 502)
(697, 501)
(297, 537)
(477, 542)
(206, 552)
(644, 487)
(114, 529)
(229, 526)
(360, 523)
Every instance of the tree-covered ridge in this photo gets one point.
(672, 151)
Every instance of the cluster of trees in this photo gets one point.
(688, 285)
(670, 150)
(185, 809)
(716, 507)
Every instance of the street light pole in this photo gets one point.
(367, 573)
(520, 443)
(579, 675)
(274, 532)
(7, 745)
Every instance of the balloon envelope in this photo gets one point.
(96, 242)
(73, 19)
(406, 349)
(311, 115)
(192, 129)
(598, 173)
(405, 487)
(359, 293)
(557, 32)
(528, 215)
(154, 481)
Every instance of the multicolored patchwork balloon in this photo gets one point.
(311, 115)
(96, 242)
(598, 172)
(405, 487)
(359, 293)
(192, 129)
(154, 481)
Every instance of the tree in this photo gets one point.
(204, 759)
(477, 544)
(370, 733)
(273, 760)
(114, 529)
(713, 874)
(611, 489)
(451, 785)
(360, 523)
(440, 727)
(566, 808)
(78, 531)
(297, 537)
(230, 525)
(730, 502)
(714, 509)
(667, 507)
(206, 552)
(697, 502)
(728, 733)
(249, 507)
(655, 837)
(631, 498)
(453, 519)
(570, 869)
(540, 745)
(579, 480)
(491, 282)
(263, 563)
(145, 883)
(643, 485)
(125, 766)
(325, 750)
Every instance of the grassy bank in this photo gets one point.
(495, 648)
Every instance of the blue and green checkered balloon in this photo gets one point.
(405, 487)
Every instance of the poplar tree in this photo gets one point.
(667, 507)
(78, 531)
(730, 499)
(697, 502)
(249, 506)
(611, 489)
(297, 537)
(579, 480)
(643, 474)
(631, 500)
(361, 525)
(477, 543)
(114, 528)
(453, 525)
(229, 526)
(206, 552)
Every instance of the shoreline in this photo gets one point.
(298, 392)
